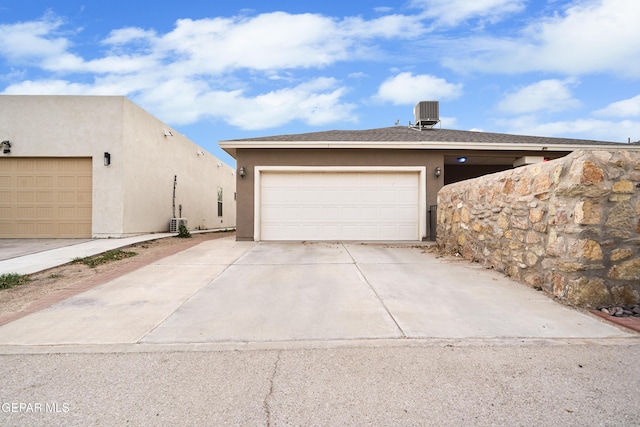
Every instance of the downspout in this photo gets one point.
(175, 184)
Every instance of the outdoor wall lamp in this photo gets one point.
(6, 147)
(107, 159)
(242, 172)
(438, 171)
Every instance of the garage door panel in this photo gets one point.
(27, 229)
(83, 228)
(66, 196)
(45, 228)
(26, 181)
(328, 212)
(5, 213)
(46, 197)
(25, 196)
(67, 181)
(85, 213)
(44, 212)
(26, 212)
(42, 196)
(83, 198)
(44, 181)
(68, 228)
(66, 212)
(339, 206)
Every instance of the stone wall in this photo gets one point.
(570, 226)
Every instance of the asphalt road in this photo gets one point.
(443, 383)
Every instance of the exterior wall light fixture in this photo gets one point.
(438, 171)
(107, 159)
(242, 172)
(6, 147)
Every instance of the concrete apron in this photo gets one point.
(228, 291)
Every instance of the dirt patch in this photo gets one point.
(56, 284)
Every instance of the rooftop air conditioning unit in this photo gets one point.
(427, 114)
(175, 223)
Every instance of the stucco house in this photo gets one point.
(375, 184)
(100, 166)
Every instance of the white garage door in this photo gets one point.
(339, 206)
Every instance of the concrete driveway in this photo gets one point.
(226, 291)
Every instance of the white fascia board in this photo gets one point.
(230, 147)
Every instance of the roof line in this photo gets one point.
(231, 146)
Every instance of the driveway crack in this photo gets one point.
(374, 291)
(266, 404)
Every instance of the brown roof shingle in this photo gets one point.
(406, 134)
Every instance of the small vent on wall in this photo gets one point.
(427, 115)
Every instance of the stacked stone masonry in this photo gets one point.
(570, 226)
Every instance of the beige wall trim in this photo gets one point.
(258, 170)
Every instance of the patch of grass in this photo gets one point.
(9, 280)
(109, 256)
(55, 276)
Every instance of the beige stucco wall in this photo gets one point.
(134, 194)
(151, 161)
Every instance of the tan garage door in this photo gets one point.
(45, 197)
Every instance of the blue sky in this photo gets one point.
(225, 70)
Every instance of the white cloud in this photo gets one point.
(602, 130)
(625, 108)
(182, 101)
(32, 42)
(315, 102)
(448, 122)
(406, 88)
(546, 95)
(123, 36)
(213, 45)
(301, 41)
(51, 87)
(591, 36)
(452, 12)
(188, 73)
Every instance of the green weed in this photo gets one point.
(109, 256)
(9, 280)
(183, 231)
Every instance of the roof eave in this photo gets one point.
(231, 146)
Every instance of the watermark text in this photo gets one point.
(34, 408)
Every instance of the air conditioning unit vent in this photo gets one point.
(427, 114)
(175, 223)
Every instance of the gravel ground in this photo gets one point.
(480, 384)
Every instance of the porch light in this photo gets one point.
(242, 172)
(107, 159)
(438, 171)
(6, 147)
